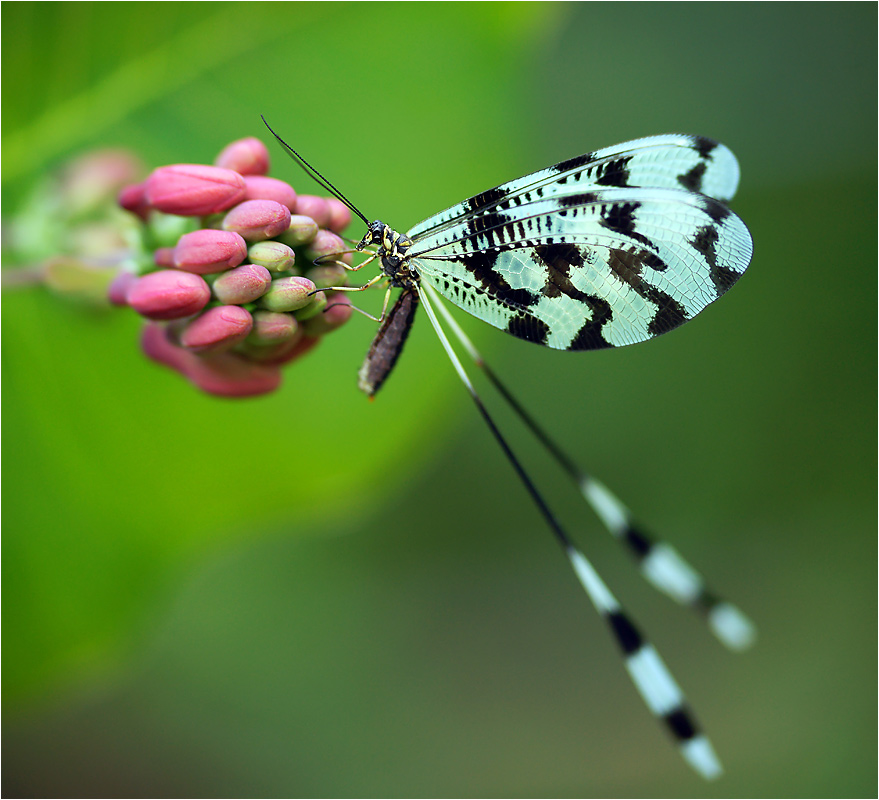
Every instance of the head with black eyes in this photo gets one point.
(375, 234)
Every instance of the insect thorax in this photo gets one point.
(392, 250)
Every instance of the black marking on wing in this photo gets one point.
(573, 163)
(577, 200)
(491, 225)
(692, 179)
(704, 146)
(620, 218)
(589, 337)
(487, 198)
(526, 326)
(628, 265)
(614, 173)
(481, 265)
(715, 209)
(705, 241)
(669, 312)
(559, 259)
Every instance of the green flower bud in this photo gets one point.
(302, 230)
(289, 294)
(318, 303)
(274, 256)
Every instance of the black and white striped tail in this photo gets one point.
(661, 565)
(652, 678)
(666, 570)
(650, 675)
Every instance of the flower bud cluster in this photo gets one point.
(226, 273)
(67, 233)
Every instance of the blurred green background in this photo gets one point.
(313, 595)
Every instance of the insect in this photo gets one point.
(606, 249)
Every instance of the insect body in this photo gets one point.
(602, 250)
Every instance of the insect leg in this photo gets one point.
(368, 285)
(330, 258)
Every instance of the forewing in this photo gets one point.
(673, 161)
(598, 269)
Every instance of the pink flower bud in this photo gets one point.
(270, 327)
(325, 248)
(246, 156)
(338, 310)
(340, 215)
(317, 208)
(258, 187)
(222, 374)
(92, 179)
(164, 256)
(335, 315)
(168, 294)
(217, 329)
(118, 288)
(257, 220)
(133, 198)
(209, 250)
(301, 231)
(288, 294)
(274, 256)
(241, 285)
(194, 190)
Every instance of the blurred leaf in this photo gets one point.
(192, 49)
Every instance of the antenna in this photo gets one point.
(313, 173)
